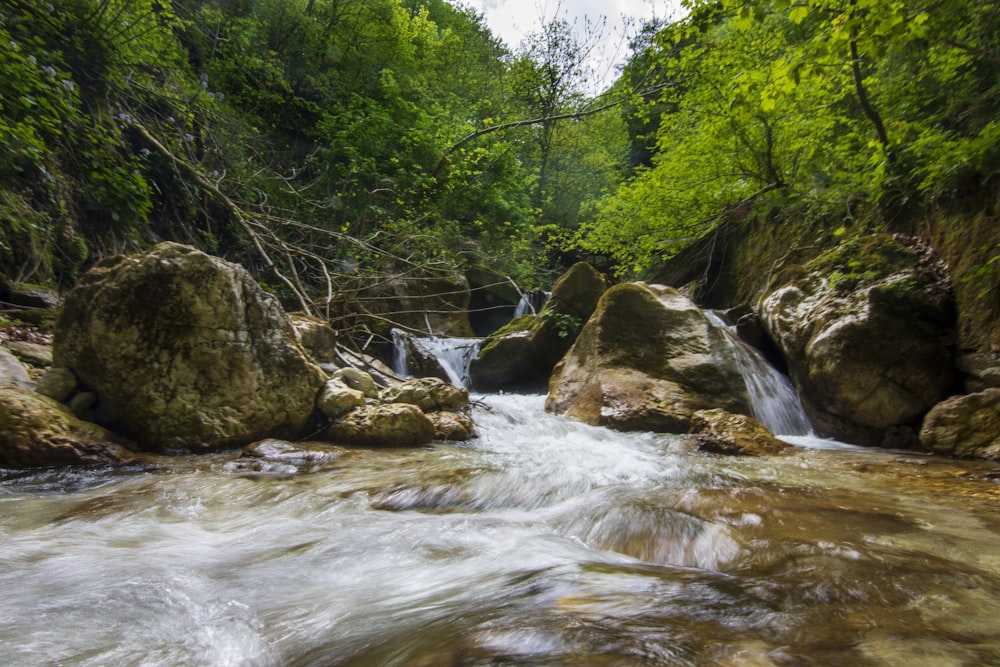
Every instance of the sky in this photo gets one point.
(512, 20)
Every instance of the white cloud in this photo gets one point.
(513, 20)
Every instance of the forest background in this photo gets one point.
(329, 145)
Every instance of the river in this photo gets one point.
(542, 542)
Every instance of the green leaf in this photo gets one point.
(798, 14)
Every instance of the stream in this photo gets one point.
(542, 542)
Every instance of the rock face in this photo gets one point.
(316, 336)
(39, 431)
(185, 351)
(646, 360)
(722, 432)
(522, 354)
(965, 426)
(866, 331)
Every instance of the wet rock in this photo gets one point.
(394, 425)
(428, 394)
(522, 354)
(336, 399)
(185, 351)
(420, 361)
(646, 360)
(452, 426)
(316, 336)
(12, 371)
(966, 426)
(866, 329)
(58, 383)
(37, 431)
(294, 453)
(723, 432)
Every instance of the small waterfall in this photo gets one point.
(453, 355)
(773, 399)
(531, 303)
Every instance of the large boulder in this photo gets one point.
(37, 431)
(967, 426)
(522, 354)
(647, 359)
(185, 352)
(866, 329)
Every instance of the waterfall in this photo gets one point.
(531, 303)
(453, 355)
(773, 399)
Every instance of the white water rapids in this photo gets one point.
(542, 542)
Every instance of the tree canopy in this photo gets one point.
(327, 144)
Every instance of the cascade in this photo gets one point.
(531, 303)
(773, 399)
(454, 355)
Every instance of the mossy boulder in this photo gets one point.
(37, 431)
(866, 329)
(647, 360)
(522, 354)
(185, 352)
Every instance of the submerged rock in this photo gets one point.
(723, 432)
(185, 351)
(966, 426)
(866, 330)
(37, 431)
(523, 353)
(646, 361)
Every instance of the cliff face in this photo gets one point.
(744, 260)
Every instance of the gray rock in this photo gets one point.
(12, 371)
(58, 383)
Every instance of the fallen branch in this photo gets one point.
(234, 209)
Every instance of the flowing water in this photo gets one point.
(773, 399)
(542, 542)
(453, 354)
